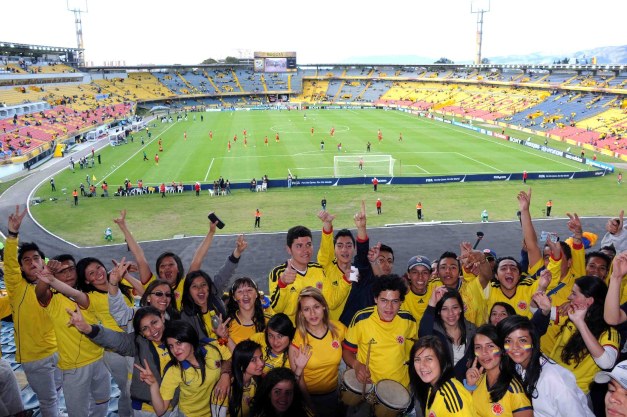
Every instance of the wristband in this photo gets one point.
(13, 234)
(111, 283)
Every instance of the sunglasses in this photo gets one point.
(161, 294)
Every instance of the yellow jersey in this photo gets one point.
(195, 396)
(321, 371)
(271, 360)
(585, 370)
(284, 297)
(337, 286)
(33, 332)
(417, 304)
(514, 400)
(389, 343)
(451, 400)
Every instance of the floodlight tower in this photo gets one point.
(79, 30)
(479, 7)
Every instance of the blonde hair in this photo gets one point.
(301, 323)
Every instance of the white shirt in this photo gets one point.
(557, 393)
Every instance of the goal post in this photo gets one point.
(371, 165)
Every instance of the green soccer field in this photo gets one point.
(428, 148)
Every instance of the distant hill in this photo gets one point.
(605, 55)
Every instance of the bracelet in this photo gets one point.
(13, 234)
(297, 376)
(111, 283)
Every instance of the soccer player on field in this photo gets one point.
(276, 137)
(379, 135)
(312, 131)
(332, 131)
(211, 135)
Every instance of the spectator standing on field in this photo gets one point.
(525, 175)
(52, 184)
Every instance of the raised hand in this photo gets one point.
(145, 374)
(222, 330)
(437, 294)
(577, 314)
(289, 275)
(524, 200)
(615, 225)
(473, 373)
(121, 221)
(619, 266)
(301, 356)
(544, 280)
(360, 216)
(77, 320)
(574, 224)
(240, 246)
(119, 270)
(45, 275)
(542, 301)
(15, 219)
(373, 252)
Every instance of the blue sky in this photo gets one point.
(188, 31)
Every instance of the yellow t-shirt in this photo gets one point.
(99, 306)
(321, 371)
(474, 301)
(284, 299)
(453, 400)
(34, 335)
(585, 370)
(521, 300)
(75, 349)
(336, 286)
(391, 343)
(272, 360)
(247, 397)
(417, 304)
(514, 400)
(195, 397)
(239, 331)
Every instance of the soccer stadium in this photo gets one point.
(191, 239)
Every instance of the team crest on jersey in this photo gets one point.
(319, 285)
(497, 409)
(400, 340)
(217, 364)
(335, 344)
(522, 305)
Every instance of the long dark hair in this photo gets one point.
(259, 319)
(281, 324)
(84, 286)
(575, 348)
(446, 367)
(262, 405)
(451, 293)
(184, 332)
(242, 355)
(171, 310)
(179, 264)
(499, 388)
(213, 301)
(140, 314)
(532, 372)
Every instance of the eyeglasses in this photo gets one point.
(161, 294)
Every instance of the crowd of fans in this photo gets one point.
(468, 334)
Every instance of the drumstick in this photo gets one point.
(363, 387)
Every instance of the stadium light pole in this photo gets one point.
(479, 7)
(79, 31)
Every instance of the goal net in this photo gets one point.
(371, 165)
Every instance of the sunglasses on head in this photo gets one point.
(162, 294)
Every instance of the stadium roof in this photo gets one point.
(26, 50)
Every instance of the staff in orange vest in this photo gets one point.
(419, 210)
(549, 206)
(75, 195)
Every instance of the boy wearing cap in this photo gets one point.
(616, 397)
(420, 286)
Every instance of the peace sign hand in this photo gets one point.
(145, 374)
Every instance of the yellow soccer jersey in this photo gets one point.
(321, 372)
(558, 290)
(284, 297)
(390, 343)
(195, 397)
(337, 286)
(75, 349)
(585, 370)
(34, 335)
(247, 397)
(99, 306)
(239, 331)
(521, 300)
(417, 304)
(453, 400)
(513, 401)
(474, 301)
(272, 360)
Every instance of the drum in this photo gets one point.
(350, 390)
(392, 398)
